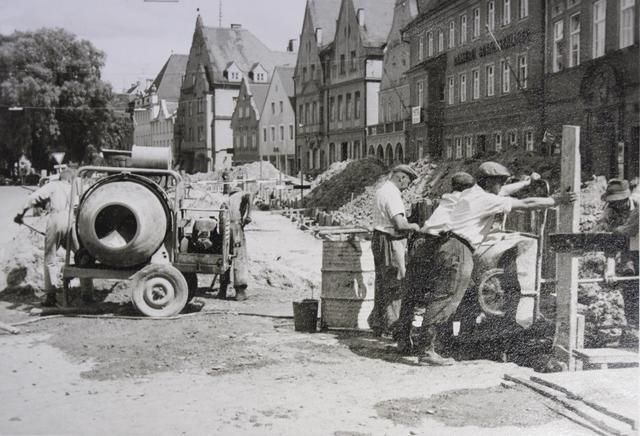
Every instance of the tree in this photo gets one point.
(55, 78)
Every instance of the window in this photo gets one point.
(452, 34)
(476, 84)
(353, 61)
(332, 109)
(458, 148)
(491, 15)
(307, 118)
(440, 41)
(463, 29)
(348, 107)
(513, 139)
(264, 134)
(523, 72)
(524, 8)
(490, 80)
(420, 93)
(273, 107)
(448, 149)
(281, 133)
(497, 141)
(339, 108)
(304, 74)
(356, 106)
(313, 72)
(200, 133)
(301, 114)
(558, 36)
(528, 140)
(599, 24)
(506, 79)
(420, 48)
(281, 106)
(451, 84)
(430, 44)
(469, 146)
(506, 12)
(342, 64)
(574, 40)
(627, 14)
(273, 134)
(476, 22)
(463, 87)
(290, 131)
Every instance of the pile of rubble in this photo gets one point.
(333, 170)
(253, 171)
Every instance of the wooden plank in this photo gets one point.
(606, 355)
(567, 263)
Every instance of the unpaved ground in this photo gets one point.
(218, 371)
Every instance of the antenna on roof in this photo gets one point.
(220, 13)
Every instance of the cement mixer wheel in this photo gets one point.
(159, 291)
(491, 292)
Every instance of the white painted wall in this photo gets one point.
(372, 103)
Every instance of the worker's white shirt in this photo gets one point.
(387, 203)
(471, 217)
(440, 216)
(58, 194)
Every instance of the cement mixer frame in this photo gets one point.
(163, 285)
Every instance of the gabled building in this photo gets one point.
(354, 71)
(245, 121)
(387, 139)
(592, 80)
(277, 122)
(154, 112)
(218, 61)
(318, 30)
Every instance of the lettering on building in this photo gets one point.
(512, 40)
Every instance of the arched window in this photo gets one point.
(389, 155)
(372, 151)
(399, 153)
(380, 153)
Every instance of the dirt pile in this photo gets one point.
(333, 170)
(254, 170)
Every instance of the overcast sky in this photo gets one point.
(139, 36)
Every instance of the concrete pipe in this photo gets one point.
(122, 222)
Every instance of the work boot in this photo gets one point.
(431, 358)
(241, 294)
(50, 300)
(222, 293)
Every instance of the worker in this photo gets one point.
(239, 205)
(443, 276)
(388, 244)
(57, 195)
(621, 217)
(421, 251)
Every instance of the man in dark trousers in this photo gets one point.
(444, 274)
(239, 215)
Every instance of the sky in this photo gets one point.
(138, 36)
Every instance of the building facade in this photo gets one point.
(245, 121)
(476, 77)
(592, 79)
(387, 139)
(218, 60)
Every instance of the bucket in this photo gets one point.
(305, 315)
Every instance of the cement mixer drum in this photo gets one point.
(122, 221)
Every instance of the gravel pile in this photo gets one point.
(333, 170)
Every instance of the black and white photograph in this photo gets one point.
(319, 217)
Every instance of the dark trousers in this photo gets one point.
(240, 261)
(629, 267)
(388, 290)
(438, 275)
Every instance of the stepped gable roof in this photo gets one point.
(286, 77)
(226, 45)
(324, 14)
(378, 17)
(169, 79)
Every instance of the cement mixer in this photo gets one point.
(130, 224)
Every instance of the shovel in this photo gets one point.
(33, 229)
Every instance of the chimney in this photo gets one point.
(292, 47)
(236, 26)
(361, 17)
(319, 35)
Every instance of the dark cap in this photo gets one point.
(461, 181)
(617, 190)
(405, 169)
(493, 169)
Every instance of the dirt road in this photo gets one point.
(222, 372)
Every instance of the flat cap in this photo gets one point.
(405, 169)
(617, 190)
(493, 169)
(461, 181)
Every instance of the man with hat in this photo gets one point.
(388, 245)
(621, 217)
(443, 278)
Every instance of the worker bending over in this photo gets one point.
(441, 275)
(57, 196)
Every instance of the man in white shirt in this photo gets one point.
(441, 273)
(388, 246)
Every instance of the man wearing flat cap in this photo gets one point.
(444, 279)
(390, 228)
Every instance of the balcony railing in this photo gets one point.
(384, 128)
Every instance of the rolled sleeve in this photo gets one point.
(394, 206)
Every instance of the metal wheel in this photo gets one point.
(491, 292)
(159, 290)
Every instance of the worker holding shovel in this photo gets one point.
(57, 194)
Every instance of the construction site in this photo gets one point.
(169, 351)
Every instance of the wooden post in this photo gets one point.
(565, 340)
